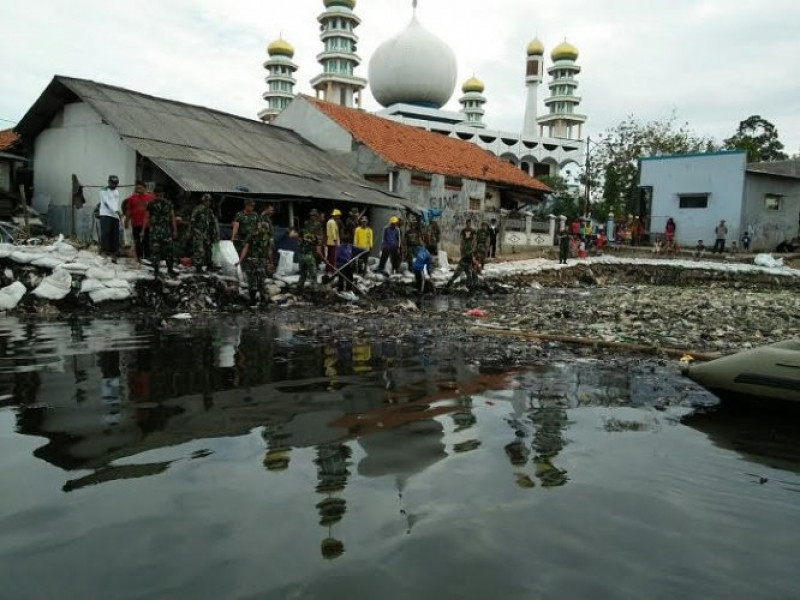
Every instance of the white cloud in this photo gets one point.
(713, 61)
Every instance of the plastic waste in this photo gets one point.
(477, 312)
(228, 258)
(11, 295)
(55, 286)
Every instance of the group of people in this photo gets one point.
(476, 246)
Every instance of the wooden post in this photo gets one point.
(26, 220)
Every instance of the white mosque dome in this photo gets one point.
(414, 67)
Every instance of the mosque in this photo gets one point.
(414, 74)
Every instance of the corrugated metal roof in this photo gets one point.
(780, 168)
(206, 150)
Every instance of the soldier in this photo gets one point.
(163, 229)
(434, 237)
(467, 230)
(254, 264)
(465, 262)
(413, 241)
(308, 250)
(266, 218)
(350, 225)
(205, 233)
(482, 243)
(243, 223)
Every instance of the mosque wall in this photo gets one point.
(306, 120)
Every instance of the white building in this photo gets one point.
(699, 190)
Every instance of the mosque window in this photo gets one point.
(533, 68)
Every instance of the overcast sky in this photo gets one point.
(714, 62)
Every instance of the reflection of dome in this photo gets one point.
(351, 4)
(414, 67)
(535, 48)
(281, 47)
(564, 51)
(473, 85)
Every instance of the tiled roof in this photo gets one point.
(8, 139)
(413, 148)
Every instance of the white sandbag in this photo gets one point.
(100, 273)
(65, 249)
(769, 261)
(11, 295)
(228, 258)
(55, 286)
(121, 284)
(7, 250)
(25, 258)
(48, 262)
(109, 294)
(286, 264)
(443, 264)
(90, 285)
(289, 279)
(75, 267)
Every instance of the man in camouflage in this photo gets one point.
(243, 223)
(308, 250)
(205, 233)
(465, 262)
(254, 262)
(482, 243)
(350, 226)
(163, 229)
(266, 218)
(413, 241)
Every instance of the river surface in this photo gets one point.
(249, 460)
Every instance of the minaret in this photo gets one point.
(472, 102)
(534, 75)
(280, 79)
(563, 120)
(339, 60)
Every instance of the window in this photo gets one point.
(693, 201)
(474, 203)
(772, 201)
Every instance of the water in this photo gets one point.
(241, 460)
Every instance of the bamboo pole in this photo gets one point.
(583, 341)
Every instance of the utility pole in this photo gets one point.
(588, 178)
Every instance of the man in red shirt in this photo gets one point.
(135, 209)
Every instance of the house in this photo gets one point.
(699, 190)
(433, 170)
(91, 130)
(11, 163)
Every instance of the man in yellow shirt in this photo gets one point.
(332, 239)
(362, 242)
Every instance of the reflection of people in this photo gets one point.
(332, 474)
(109, 383)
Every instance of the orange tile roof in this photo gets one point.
(413, 148)
(8, 139)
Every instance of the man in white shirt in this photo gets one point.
(109, 218)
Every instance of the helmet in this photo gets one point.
(394, 220)
(336, 213)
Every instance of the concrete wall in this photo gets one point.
(720, 175)
(768, 228)
(305, 119)
(77, 141)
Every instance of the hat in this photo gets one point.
(363, 220)
(313, 212)
(394, 220)
(336, 213)
(354, 211)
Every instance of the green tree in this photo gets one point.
(564, 200)
(615, 158)
(759, 138)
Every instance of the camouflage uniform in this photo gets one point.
(160, 232)
(269, 231)
(349, 229)
(465, 262)
(310, 241)
(413, 242)
(482, 244)
(247, 222)
(205, 233)
(255, 264)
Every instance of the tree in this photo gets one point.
(759, 138)
(615, 158)
(564, 200)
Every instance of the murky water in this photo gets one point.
(238, 460)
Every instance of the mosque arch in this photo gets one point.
(548, 167)
(465, 135)
(528, 164)
(510, 158)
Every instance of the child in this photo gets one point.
(699, 249)
(746, 242)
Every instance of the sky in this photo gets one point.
(711, 62)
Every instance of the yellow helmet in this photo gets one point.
(394, 220)
(336, 213)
